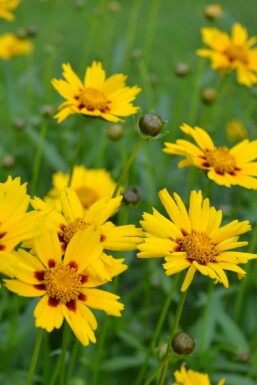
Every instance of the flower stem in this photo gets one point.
(172, 332)
(195, 92)
(38, 158)
(157, 330)
(65, 341)
(35, 357)
(127, 166)
(76, 154)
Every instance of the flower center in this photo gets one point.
(62, 283)
(92, 100)
(221, 160)
(87, 196)
(69, 230)
(237, 52)
(198, 246)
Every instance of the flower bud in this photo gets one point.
(183, 343)
(47, 110)
(115, 131)
(8, 161)
(114, 6)
(32, 30)
(19, 124)
(182, 69)
(151, 124)
(212, 11)
(131, 196)
(209, 95)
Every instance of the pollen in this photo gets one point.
(198, 246)
(92, 99)
(87, 196)
(62, 283)
(221, 160)
(69, 230)
(237, 53)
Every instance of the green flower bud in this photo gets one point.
(209, 95)
(182, 69)
(131, 196)
(151, 124)
(115, 131)
(183, 343)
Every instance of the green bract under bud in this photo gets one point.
(151, 124)
(183, 343)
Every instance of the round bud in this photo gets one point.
(212, 11)
(21, 33)
(32, 30)
(243, 356)
(182, 69)
(151, 124)
(209, 95)
(8, 161)
(131, 196)
(47, 110)
(182, 343)
(114, 6)
(115, 131)
(19, 124)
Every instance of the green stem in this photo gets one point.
(127, 166)
(156, 371)
(195, 93)
(65, 341)
(38, 158)
(151, 22)
(204, 321)
(74, 355)
(172, 333)
(157, 330)
(100, 350)
(76, 154)
(35, 356)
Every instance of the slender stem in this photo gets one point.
(151, 22)
(74, 355)
(127, 166)
(204, 320)
(100, 350)
(157, 330)
(172, 332)
(156, 371)
(195, 93)
(35, 356)
(38, 158)
(65, 341)
(76, 154)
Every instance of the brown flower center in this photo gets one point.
(221, 160)
(236, 52)
(87, 196)
(62, 283)
(69, 230)
(198, 246)
(92, 100)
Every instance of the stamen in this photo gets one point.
(221, 160)
(198, 246)
(236, 52)
(68, 231)
(92, 100)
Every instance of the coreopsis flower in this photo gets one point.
(190, 377)
(11, 46)
(16, 224)
(236, 130)
(64, 282)
(96, 96)
(72, 218)
(227, 167)
(6, 8)
(89, 184)
(193, 239)
(235, 53)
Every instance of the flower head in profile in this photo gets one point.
(227, 167)
(64, 282)
(16, 224)
(89, 184)
(96, 96)
(11, 46)
(194, 240)
(6, 8)
(235, 53)
(190, 377)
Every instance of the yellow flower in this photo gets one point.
(64, 282)
(89, 184)
(11, 46)
(235, 53)
(224, 166)
(16, 224)
(190, 377)
(193, 239)
(72, 218)
(6, 8)
(236, 130)
(96, 96)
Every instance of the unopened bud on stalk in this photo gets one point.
(182, 343)
(182, 69)
(32, 30)
(151, 124)
(115, 131)
(8, 161)
(19, 124)
(131, 196)
(213, 11)
(47, 110)
(209, 95)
